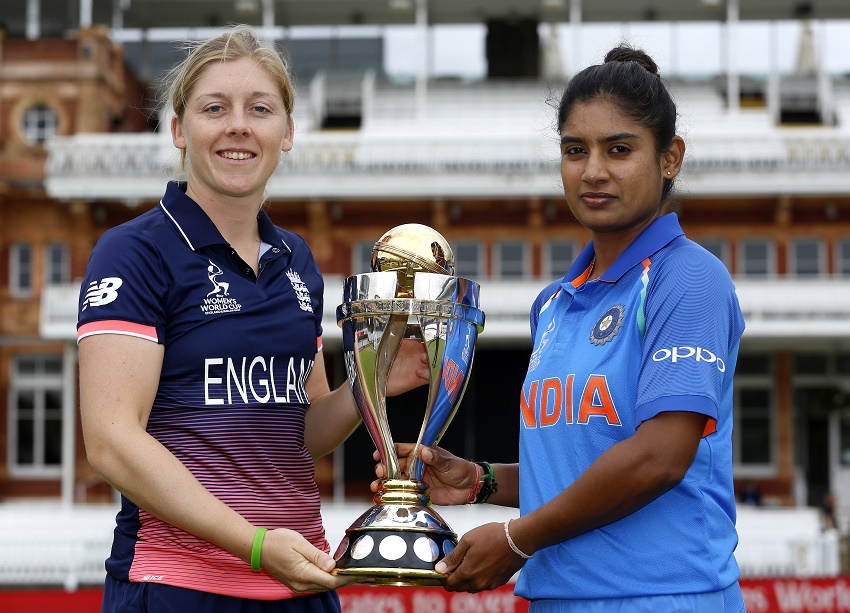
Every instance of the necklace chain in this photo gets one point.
(590, 270)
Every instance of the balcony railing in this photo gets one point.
(454, 163)
(783, 308)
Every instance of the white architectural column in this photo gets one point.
(424, 54)
(773, 99)
(733, 80)
(268, 13)
(268, 20)
(118, 8)
(85, 13)
(575, 35)
(69, 422)
(33, 19)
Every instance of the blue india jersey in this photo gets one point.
(658, 331)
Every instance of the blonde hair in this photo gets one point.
(241, 41)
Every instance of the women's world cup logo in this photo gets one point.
(411, 292)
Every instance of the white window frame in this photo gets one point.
(793, 260)
(39, 123)
(771, 258)
(61, 269)
(361, 257)
(721, 243)
(476, 274)
(19, 269)
(842, 265)
(549, 268)
(40, 382)
(524, 264)
(752, 470)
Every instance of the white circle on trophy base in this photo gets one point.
(362, 547)
(425, 549)
(392, 547)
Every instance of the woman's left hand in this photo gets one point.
(410, 367)
(482, 560)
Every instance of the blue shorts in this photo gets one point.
(125, 597)
(730, 600)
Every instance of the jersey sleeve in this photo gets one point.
(693, 324)
(124, 288)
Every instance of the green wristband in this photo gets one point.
(257, 548)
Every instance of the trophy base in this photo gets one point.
(395, 544)
(396, 577)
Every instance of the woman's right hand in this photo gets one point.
(450, 479)
(295, 562)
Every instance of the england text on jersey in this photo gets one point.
(257, 379)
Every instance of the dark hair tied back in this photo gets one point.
(624, 53)
(629, 79)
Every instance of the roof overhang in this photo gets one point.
(206, 13)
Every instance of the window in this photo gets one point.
(510, 259)
(558, 256)
(716, 247)
(842, 258)
(753, 437)
(468, 259)
(20, 269)
(56, 264)
(806, 257)
(810, 363)
(753, 425)
(757, 258)
(35, 416)
(361, 258)
(40, 123)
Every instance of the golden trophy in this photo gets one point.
(411, 293)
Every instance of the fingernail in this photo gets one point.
(441, 568)
(426, 455)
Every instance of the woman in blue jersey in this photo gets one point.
(624, 480)
(204, 396)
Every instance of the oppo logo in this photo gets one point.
(684, 353)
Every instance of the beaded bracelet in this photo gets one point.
(512, 545)
(489, 486)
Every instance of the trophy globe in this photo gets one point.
(411, 248)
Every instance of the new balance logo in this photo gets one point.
(102, 292)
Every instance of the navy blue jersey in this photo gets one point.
(658, 331)
(230, 405)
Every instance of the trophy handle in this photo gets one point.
(387, 349)
(450, 352)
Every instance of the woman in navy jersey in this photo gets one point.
(624, 481)
(204, 396)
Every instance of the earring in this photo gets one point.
(668, 172)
